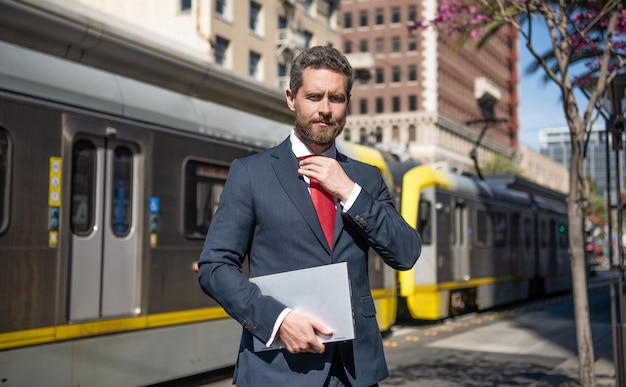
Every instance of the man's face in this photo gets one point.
(320, 106)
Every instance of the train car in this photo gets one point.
(383, 279)
(483, 244)
(107, 188)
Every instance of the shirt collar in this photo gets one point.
(301, 150)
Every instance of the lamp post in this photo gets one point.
(614, 136)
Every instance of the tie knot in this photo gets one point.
(305, 157)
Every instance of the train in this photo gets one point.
(107, 188)
(485, 243)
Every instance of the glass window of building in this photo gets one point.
(412, 43)
(220, 7)
(395, 74)
(412, 13)
(308, 36)
(255, 10)
(347, 20)
(363, 106)
(282, 21)
(363, 18)
(412, 103)
(395, 44)
(363, 45)
(308, 5)
(412, 72)
(395, 14)
(395, 133)
(221, 50)
(412, 133)
(347, 47)
(380, 105)
(253, 69)
(395, 104)
(363, 136)
(378, 135)
(346, 134)
(283, 79)
(380, 16)
(380, 75)
(379, 44)
(185, 5)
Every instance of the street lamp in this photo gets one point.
(614, 135)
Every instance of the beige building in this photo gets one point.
(420, 94)
(256, 38)
(542, 170)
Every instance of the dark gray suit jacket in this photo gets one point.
(266, 213)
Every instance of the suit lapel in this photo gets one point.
(285, 167)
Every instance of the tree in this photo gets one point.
(587, 50)
(500, 164)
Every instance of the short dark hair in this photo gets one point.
(320, 57)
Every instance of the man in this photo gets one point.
(266, 213)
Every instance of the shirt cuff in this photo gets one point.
(279, 321)
(352, 198)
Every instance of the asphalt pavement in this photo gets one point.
(533, 344)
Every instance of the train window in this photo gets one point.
(484, 227)
(528, 233)
(552, 234)
(5, 158)
(563, 237)
(83, 187)
(515, 235)
(543, 234)
(121, 216)
(500, 230)
(424, 221)
(204, 184)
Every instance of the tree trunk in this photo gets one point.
(577, 259)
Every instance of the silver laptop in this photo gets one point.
(323, 292)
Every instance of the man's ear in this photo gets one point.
(290, 97)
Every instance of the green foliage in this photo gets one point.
(500, 164)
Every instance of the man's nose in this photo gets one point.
(324, 106)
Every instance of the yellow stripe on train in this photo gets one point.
(93, 328)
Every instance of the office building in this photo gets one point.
(556, 144)
(422, 92)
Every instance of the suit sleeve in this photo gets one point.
(375, 216)
(220, 270)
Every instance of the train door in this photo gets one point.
(460, 248)
(105, 249)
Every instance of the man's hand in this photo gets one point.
(298, 333)
(329, 174)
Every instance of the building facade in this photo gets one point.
(415, 94)
(556, 144)
(422, 92)
(255, 38)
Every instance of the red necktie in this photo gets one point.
(325, 208)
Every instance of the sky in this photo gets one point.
(540, 103)
(540, 100)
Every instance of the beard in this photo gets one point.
(322, 135)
